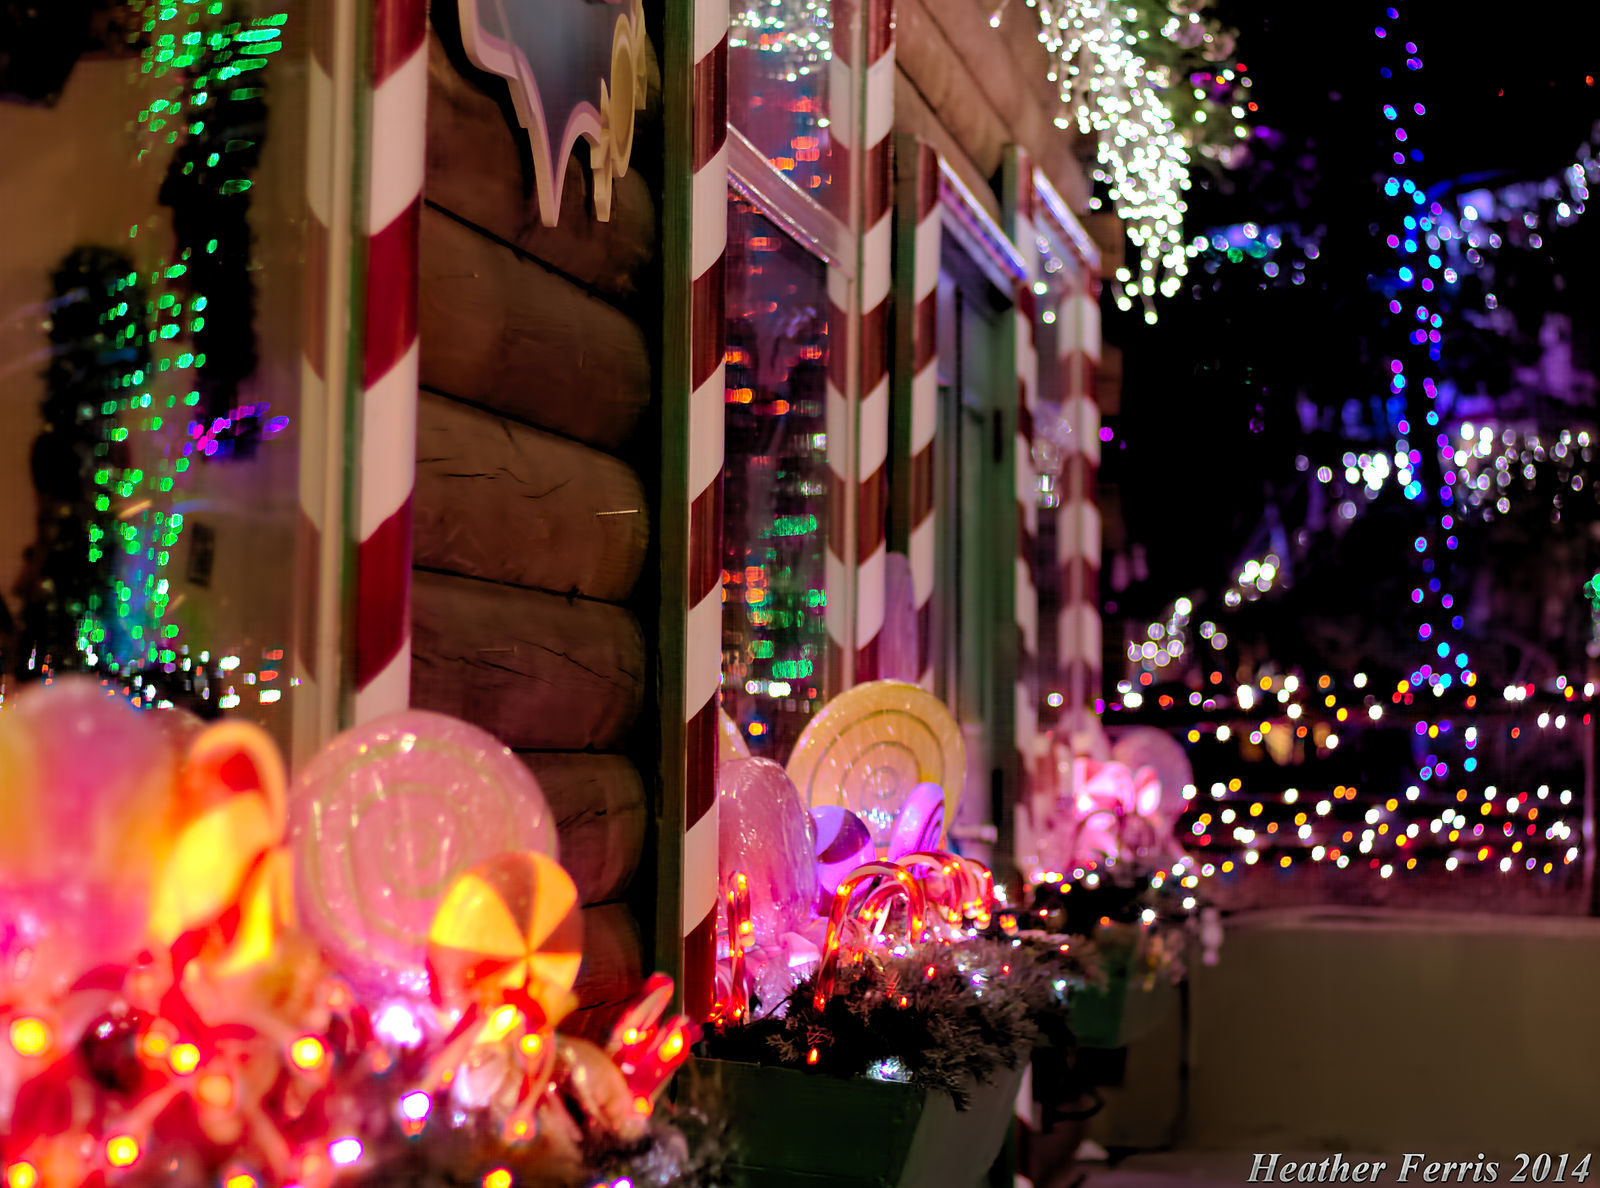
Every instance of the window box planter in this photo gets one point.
(789, 1129)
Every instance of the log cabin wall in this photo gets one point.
(532, 526)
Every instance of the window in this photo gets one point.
(157, 425)
(786, 503)
(970, 323)
(779, 58)
(776, 485)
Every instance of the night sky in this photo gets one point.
(1209, 432)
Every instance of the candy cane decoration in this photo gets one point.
(839, 572)
(646, 1049)
(833, 942)
(967, 890)
(1078, 530)
(741, 933)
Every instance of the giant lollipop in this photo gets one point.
(384, 818)
(872, 746)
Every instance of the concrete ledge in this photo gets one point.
(1340, 1030)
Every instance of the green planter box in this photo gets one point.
(1097, 1014)
(789, 1129)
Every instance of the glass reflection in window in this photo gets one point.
(775, 496)
(779, 53)
(152, 330)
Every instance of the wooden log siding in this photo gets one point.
(467, 127)
(503, 331)
(599, 807)
(498, 500)
(612, 971)
(530, 534)
(538, 671)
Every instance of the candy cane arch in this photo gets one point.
(968, 891)
(396, 140)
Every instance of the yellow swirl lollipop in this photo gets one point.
(872, 745)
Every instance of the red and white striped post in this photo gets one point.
(1026, 711)
(396, 142)
(924, 331)
(317, 597)
(877, 243)
(702, 669)
(1078, 530)
(838, 575)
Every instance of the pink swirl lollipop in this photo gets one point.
(383, 818)
(920, 825)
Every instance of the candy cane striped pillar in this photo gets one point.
(702, 667)
(1078, 528)
(387, 468)
(316, 603)
(872, 424)
(1024, 234)
(840, 561)
(915, 399)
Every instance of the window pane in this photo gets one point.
(153, 322)
(775, 485)
(779, 56)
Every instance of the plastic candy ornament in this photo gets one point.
(506, 944)
(90, 811)
(766, 835)
(871, 745)
(383, 818)
(920, 824)
(843, 843)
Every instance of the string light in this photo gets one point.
(1143, 158)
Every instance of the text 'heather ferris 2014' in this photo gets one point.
(1541, 1168)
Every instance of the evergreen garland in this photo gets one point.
(938, 1016)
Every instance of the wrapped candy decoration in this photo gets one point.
(505, 944)
(509, 930)
(384, 818)
(227, 854)
(767, 836)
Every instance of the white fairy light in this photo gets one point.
(1112, 90)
